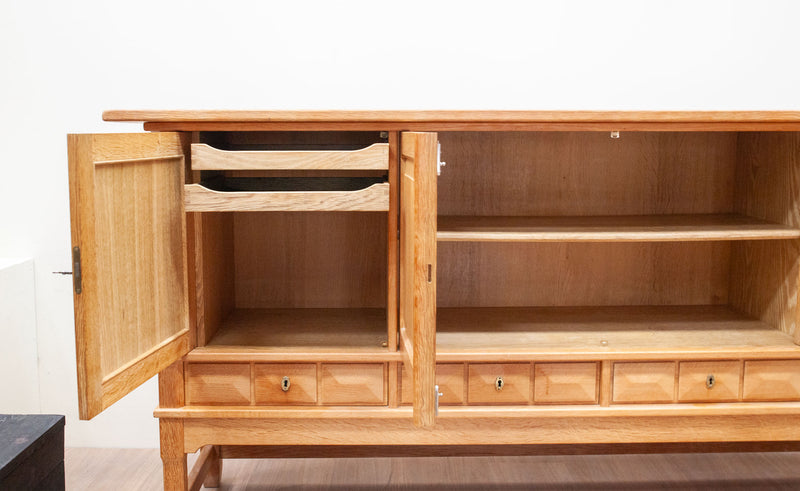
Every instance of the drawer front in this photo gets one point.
(495, 383)
(649, 382)
(709, 381)
(285, 383)
(218, 384)
(449, 378)
(568, 383)
(773, 380)
(352, 384)
(373, 157)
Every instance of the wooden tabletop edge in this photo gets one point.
(458, 116)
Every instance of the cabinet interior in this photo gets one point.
(291, 281)
(300, 280)
(653, 242)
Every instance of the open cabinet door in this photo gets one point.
(418, 159)
(129, 261)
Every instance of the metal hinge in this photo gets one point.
(76, 269)
(438, 395)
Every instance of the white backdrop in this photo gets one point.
(64, 62)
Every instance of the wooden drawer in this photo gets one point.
(352, 384)
(514, 389)
(773, 380)
(373, 157)
(649, 382)
(218, 383)
(299, 387)
(709, 381)
(567, 383)
(373, 198)
(449, 378)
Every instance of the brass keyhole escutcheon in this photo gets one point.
(710, 381)
(285, 384)
(498, 383)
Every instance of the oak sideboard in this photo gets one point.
(440, 282)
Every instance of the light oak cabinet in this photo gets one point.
(308, 283)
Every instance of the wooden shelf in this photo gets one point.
(605, 333)
(299, 334)
(627, 228)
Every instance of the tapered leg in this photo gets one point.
(172, 455)
(214, 473)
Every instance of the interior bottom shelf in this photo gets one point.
(626, 332)
(298, 332)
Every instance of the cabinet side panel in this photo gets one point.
(768, 176)
(216, 263)
(764, 275)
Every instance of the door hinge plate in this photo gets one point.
(76, 269)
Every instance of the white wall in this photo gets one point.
(63, 62)
(18, 359)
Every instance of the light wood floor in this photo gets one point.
(126, 469)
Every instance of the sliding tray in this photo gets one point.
(290, 194)
(373, 157)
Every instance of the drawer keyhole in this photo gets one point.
(498, 383)
(710, 381)
(285, 384)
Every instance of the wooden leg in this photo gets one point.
(214, 473)
(172, 455)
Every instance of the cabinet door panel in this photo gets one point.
(418, 161)
(127, 217)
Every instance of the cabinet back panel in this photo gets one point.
(316, 260)
(484, 274)
(587, 173)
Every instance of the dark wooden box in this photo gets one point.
(31, 451)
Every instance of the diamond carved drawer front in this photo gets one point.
(218, 383)
(693, 381)
(773, 380)
(352, 384)
(302, 378)
(449, 378)
(515, 388)
(649, 382)
(565, 383)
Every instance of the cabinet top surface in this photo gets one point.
(230, 116)
(222, 120)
